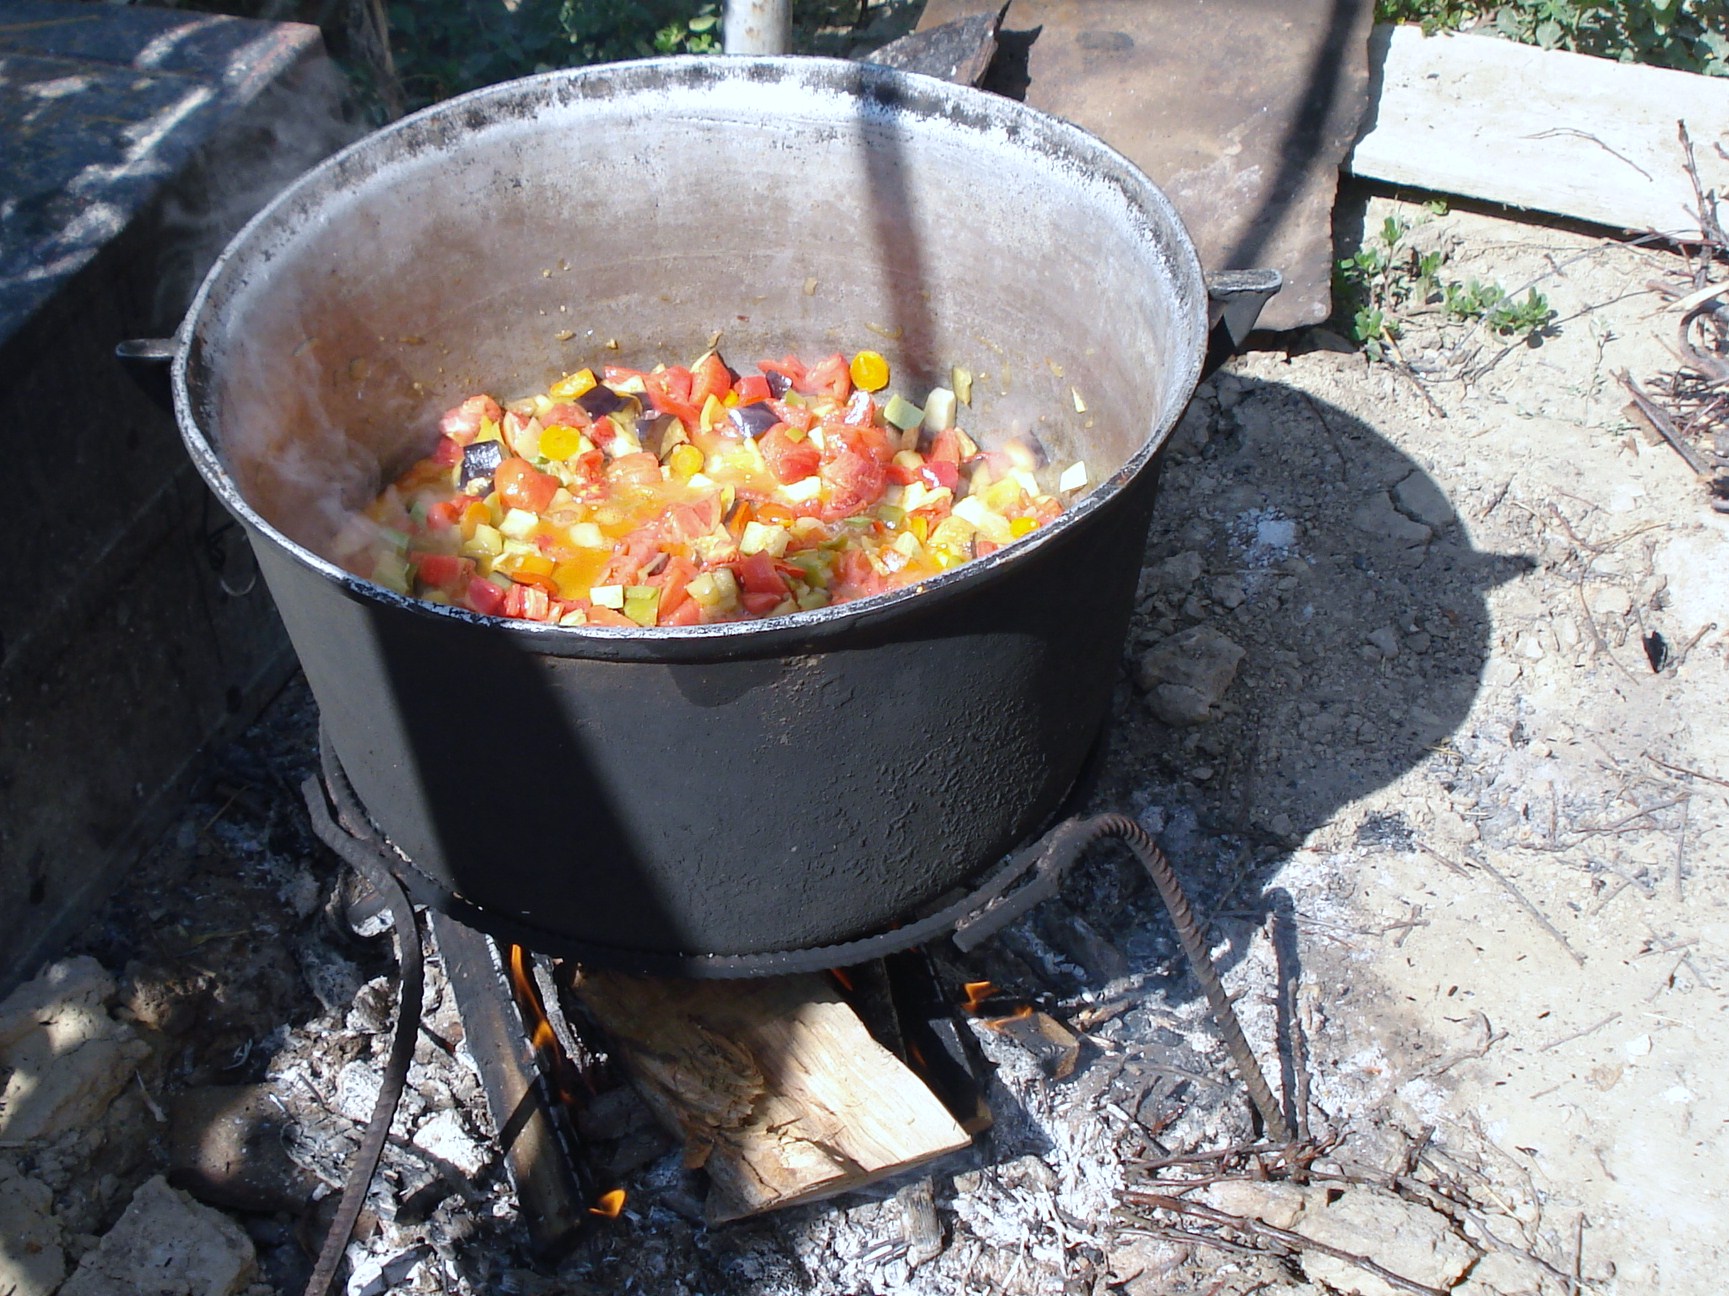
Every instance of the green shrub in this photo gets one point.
(1691, 35)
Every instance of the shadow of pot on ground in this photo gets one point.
(1312, 624)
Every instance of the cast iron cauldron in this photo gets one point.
(717, 792)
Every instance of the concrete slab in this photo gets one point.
(1240, 110)
(136, 142)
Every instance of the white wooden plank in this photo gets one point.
(1541, 129)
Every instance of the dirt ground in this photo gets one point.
(1499, 829)
(1393, 706)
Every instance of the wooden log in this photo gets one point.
(774, 1085)
(1545, 130)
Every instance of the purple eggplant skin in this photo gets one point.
(601, 400)
(752, 420)
(651, 430)
(480, 460)
(779, 384)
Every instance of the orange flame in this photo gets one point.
(839, 974)
(528, 998)
(1019, 1014)
(609, 1206)
(976, 993)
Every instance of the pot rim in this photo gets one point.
(917, 95)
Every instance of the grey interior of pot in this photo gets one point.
(628, 214)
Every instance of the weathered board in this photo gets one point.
(1240, 110)
(775, 1086)
(1544, 130)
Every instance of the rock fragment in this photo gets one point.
(31, 1261)
(1379, 516)
(1422, 499)
(1406, 1238)
(225, 1146)
(166, 1244)
(1185, 675)
(66, 1056)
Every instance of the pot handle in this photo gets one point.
(1234, 302)
(147, 360)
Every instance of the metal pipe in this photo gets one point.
(757, 27)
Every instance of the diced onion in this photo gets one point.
(1074, 477)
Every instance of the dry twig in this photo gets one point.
(1286, 1240)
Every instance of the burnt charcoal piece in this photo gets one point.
(1656, 651)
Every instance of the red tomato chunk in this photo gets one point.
(694, 494)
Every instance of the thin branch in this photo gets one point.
(1295, 1241)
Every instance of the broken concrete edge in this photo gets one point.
(1572, 135)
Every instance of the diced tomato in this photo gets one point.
(801, 417)
(447, 453)
(945, 447)
(630, 555)
(672, 398)
(639, 469)
(521, 485)
(445, 514)
(870, 440)
(760, 604)
(672, 580)
(528, 602)
(855, 577)
(605, 616)
(983, 548)
(901, 475)
(830, 377)
(791, 368)
(688, 612)
(861, 410)
(616, 375)
(588, 476)
(751, 389)
(569, 414)
(711, 377)
(444, 571)
(485, 597)
(676, 381)
(686, 522)
(940, 472)
(787, 459)
(515, 425)
(757, 574)
(856, 480)
(462, 424)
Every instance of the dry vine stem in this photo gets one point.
(1283, 1237)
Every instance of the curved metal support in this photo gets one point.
(1060, 848)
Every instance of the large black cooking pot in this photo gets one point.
(659, 795)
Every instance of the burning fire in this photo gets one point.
(610, 1204)
(528, 998)
(1021, 1013)
(976, 993)
(842, 979)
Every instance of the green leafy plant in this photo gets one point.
(1691, 35)
(1388, 277)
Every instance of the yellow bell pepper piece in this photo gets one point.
(573, 385)
(870, 372)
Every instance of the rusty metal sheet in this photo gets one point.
(1240, 110)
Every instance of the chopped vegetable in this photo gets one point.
(870, 372)
(688, 495)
